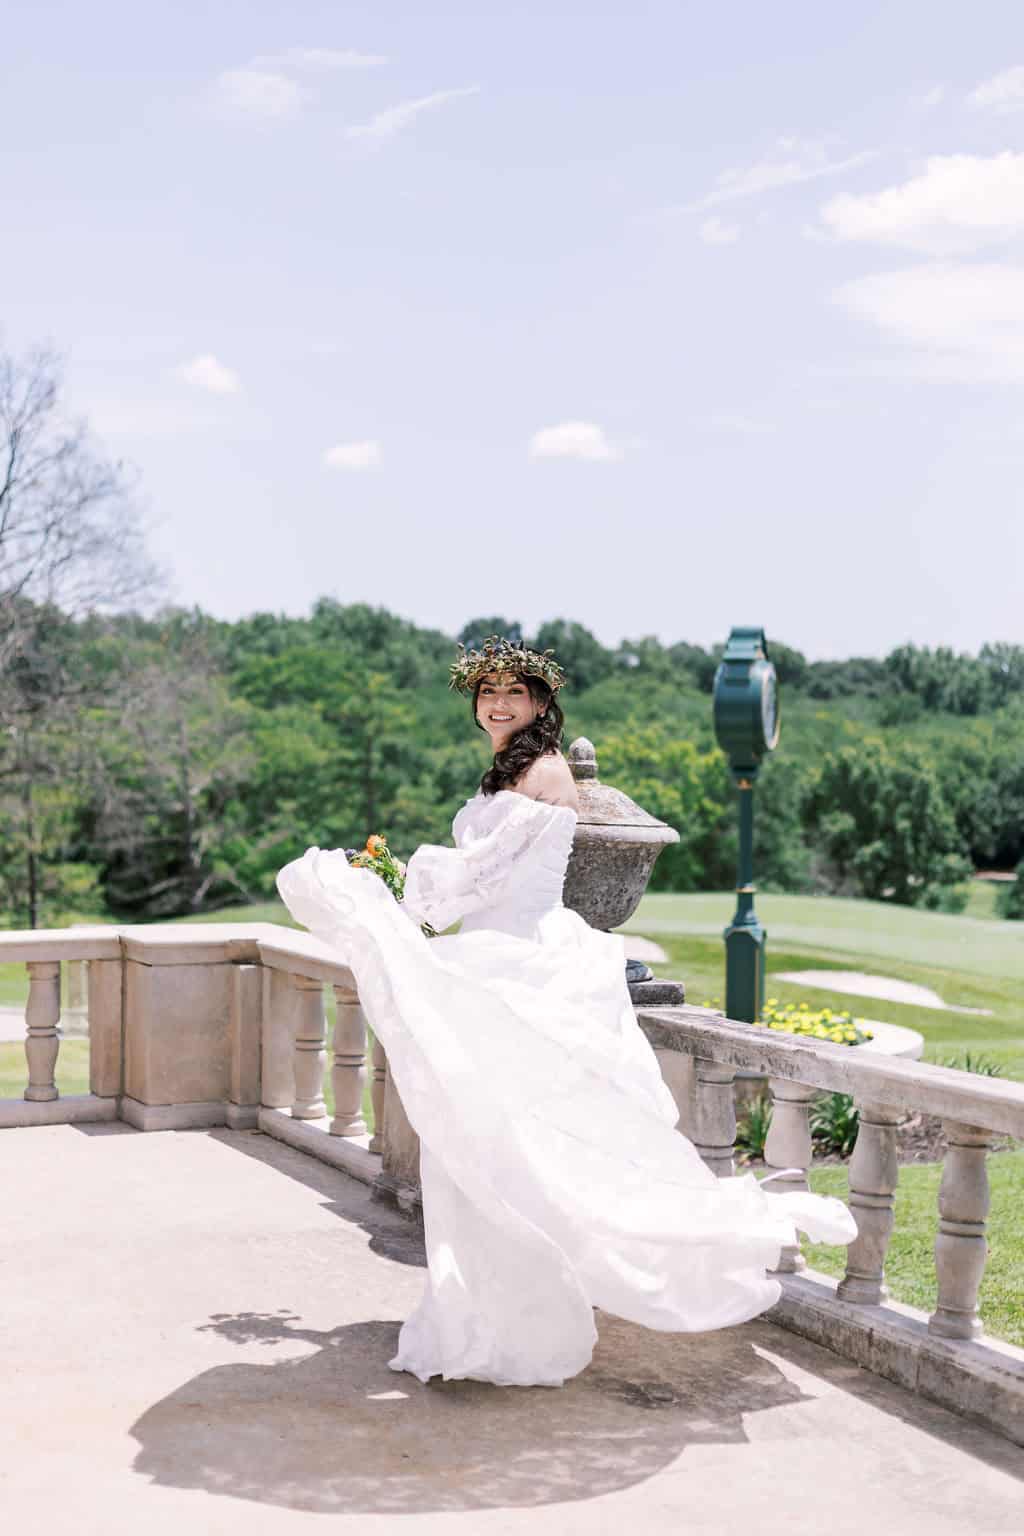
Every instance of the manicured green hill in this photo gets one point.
(971, 963)
(852, 929)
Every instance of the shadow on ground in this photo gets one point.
(328, 1428)
(338, 1432)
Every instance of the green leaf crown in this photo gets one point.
(499, 655)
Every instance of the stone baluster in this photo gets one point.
(42, 1015)
(679, 1074)
(874, 1171)
(715, 1127)
(280, 1005)
(378, 1092)
(788, 1145)
(310, 1049)
(348, 1074)
(960, 1247)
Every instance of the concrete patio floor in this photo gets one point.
(196, 1328)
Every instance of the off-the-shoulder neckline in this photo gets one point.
(515, 795)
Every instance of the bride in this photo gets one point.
(554, 1180)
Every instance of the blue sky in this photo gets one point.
(663, 317)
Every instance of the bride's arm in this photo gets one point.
(444, 884)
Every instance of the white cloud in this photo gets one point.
(361, 455)
(259, 93)
(1002, 93)
(385, 125)
(267, 87)
(965, 320)
(205, 372)
(797, 162)
(959, 202)
(933, 97)
(716, 231)
(573, 440)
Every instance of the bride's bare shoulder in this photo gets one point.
(549, 778)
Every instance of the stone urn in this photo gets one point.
(613, 853)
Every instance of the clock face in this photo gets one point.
(770, 709)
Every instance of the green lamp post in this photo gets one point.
(747, 727)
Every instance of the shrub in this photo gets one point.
(945, 898)
(834, 1123)
(1010, 900)
(972, 1061)
(752, 1129)
(882, 820)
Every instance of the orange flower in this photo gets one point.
(376, 845)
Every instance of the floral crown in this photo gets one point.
(500, 655)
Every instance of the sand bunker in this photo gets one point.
(644, 949)
(888, 988)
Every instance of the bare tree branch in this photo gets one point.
(70, 530)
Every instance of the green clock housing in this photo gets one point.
(746, 702)
(746, 711)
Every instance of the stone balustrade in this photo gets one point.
(42, 952)
(225, 1024)
(217, 1024)
(974, 1110)
(700, 1051)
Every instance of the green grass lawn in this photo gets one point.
(910, 1266)
(969, 962)
(257, 912)
(990, 949)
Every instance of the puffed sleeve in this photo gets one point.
(445, 884)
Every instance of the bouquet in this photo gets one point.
(378, 857)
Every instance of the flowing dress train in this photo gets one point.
(554, 1180)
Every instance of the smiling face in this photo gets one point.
(504, 705)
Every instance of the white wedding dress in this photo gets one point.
(553, 1178)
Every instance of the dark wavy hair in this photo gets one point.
(533, 741)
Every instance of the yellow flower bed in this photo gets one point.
(799, 1019)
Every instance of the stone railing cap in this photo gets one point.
(993, 1104)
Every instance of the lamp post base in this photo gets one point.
(745, 944)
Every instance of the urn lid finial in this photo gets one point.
(604, 806)
(583, 759)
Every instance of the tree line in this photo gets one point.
(154, 766)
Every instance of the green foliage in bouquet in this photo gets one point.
(378, 857)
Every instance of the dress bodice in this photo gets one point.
(534, 848)
(506, 870)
